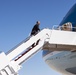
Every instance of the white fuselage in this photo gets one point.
(62, 61)
(60, 52)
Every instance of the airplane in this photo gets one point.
(58, 45)
(63, 61)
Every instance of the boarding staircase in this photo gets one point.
(46, 39)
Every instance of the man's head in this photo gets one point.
(38, 22)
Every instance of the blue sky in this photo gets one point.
(17, 18)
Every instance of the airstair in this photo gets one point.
(46, 39)
(61, 40)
